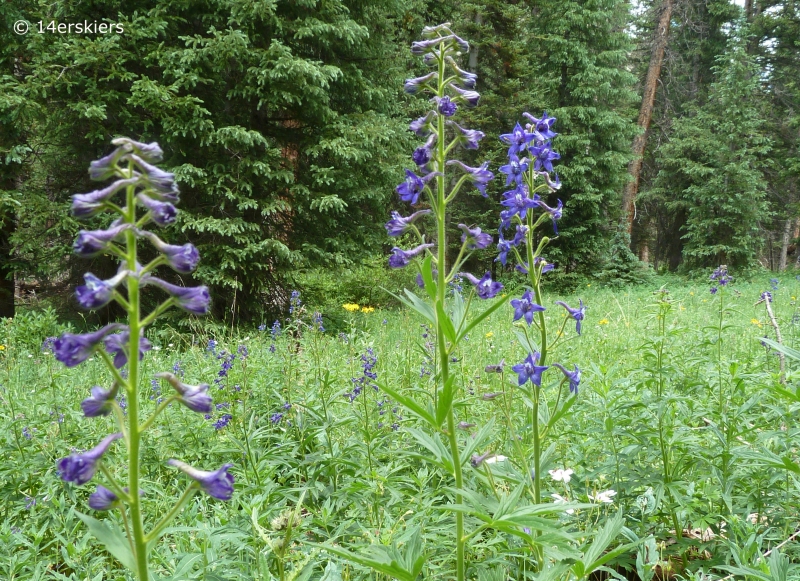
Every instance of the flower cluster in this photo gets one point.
(149, 195)
(368, 375)
(449, 87)
(720, 278)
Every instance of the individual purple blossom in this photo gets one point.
(411, 86)
(103, 499)
(546, 266)
(27, 433)
(99, 402)
(72, 349)
(85, 205)
(162, 183)
(446, 106)
(90, 243)
(466, 78)
(713, 290)
(474, 238)
(105, 167)
(401, 258)
(543, 156)
(194, 397)
(465, 425)
(410, 189)
(48, 345)
(421, 281)
(486, 288)
(79, 468)
(555, 184)
(514, 169)
(195, 300)
(721, 276)
(504, 247)
(529, 371)
(276, 417)
(422, 126)
(183, 258)
(150, 152)
(420, 47)
(468, 138)
(517, 140)
(576, 314)
(573, 376)
(479, 176)
(542, 126)
(223, 422)
(519, 235)
(766, 296)
(466, 96)
(525, 307)
(218, 484)
(518, 202)
(275, 330)
(162, 213)
(97, 293)
(555, 213)
(117, 345)
(399, 225)
(496, 368)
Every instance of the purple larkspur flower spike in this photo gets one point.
(474, 238)
(117, 345)
(162, 213)
(573, 376)
(218, 484)
(194, 397)
(97, 293)
(72, 349)
(196, 299)
(529, 371)
(85, 205)
(79, 468)
(90, 243)
(525, 307)
(99, 401)
(479, 176)
(485, 287)
(399, 225)
(577, 314)
(401, 258)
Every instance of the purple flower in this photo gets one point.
(422, 125)
(194, 397)
(573, 376)
(99, 402)
(162, 213)
(525, 307)
(276, 417)
(485, 287)
(469, 138)
(555, 213)
(102, 499)
(411, 86)
(576, 314)
(766, 296)
(72, 349)
(159, 180)
(543, 156)
(479, 176)
(401, 258)
(517, 139)
(85, 205)
(467, 79)
(542, 126)
(504, 247)
(79, 468)
(104, 168)
(528, 370)
(554, 185)
(518, 202)
(519, 235)
(421, 281)
(97, 293)
(421, 156)
(410, 189)
(117, 345)
(469, 98)
(546, 266)
(474, 238)
(498, 368)
(446, 106)
(148, 151)
(196, 299)
(713, 290)
(465, 425)
(451, 40)
(399, 225)
(182, 258)
(218, 483)
(92, 242)
(223, 422)
(514, 169)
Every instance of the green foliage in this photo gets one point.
(712, 167)
(621, 266)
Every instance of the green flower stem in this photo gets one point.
(110, 364)
(112, 484)
(161, 407)
(134, 443)
(120, 417)
(441, 206)
(156, 313)
(167, 518)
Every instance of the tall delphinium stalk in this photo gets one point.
(148, 197)
(530, 163)
(426, 189)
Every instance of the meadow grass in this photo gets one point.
(685, 429)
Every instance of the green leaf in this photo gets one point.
(113, 539)
(788, 351)
(427, 277)
(445, 324)
(411, 404)
(445, 401)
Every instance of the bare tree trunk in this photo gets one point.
(660, 35)
(787, 236)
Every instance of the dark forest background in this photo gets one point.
(286, 125)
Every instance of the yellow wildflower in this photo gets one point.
(691, 293)
(756, 322)
(602, 322)
(590, 284)
(367, 309)
(351, 307)
(2, 347)
(489, 335)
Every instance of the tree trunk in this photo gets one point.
(787, 237)
(660, 35)
(6, 271)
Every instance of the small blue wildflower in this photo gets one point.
(223, 421)
(262, 327)
(275, 418)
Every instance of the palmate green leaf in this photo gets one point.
(113, 539)
(596, 556)
(767, 458)
(417, 304)
(433, 443)
(477, 440)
